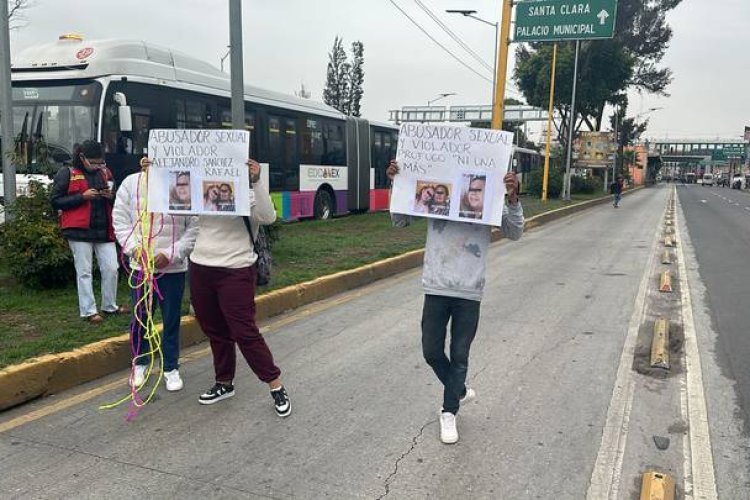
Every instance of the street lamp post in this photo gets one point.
(440, 96)
(618, 142)
(223, 58)
(470, 13)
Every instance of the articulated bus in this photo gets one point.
(318, 162)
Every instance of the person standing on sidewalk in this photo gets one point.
(83, 195)
(616, 188)
(173, 240)
(453, 278)
(222, 283)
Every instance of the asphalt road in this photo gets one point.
(557, 327)
(718, 224)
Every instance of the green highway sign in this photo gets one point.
(555, 20)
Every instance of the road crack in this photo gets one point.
(414, 441)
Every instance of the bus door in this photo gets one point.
(283, 163)
(358, 163)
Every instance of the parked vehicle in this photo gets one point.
(708, 180)
(739, 182)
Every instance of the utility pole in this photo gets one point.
(571, 126)
(502, 65)
(235, 48)
(6, 110)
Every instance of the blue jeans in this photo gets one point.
(171, 288)
(464, 317)
(617, 198)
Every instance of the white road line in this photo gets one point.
(605, 478)
(699, 463)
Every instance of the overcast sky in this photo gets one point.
(287, 44)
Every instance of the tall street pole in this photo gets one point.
(545, 181)
(571, 125)
(6, 112)
(236, 71)
(502, 65)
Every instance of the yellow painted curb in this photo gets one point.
(657, 486)
(53, 373)
(660, 344)
(665, 284)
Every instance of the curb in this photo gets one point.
(53, 373)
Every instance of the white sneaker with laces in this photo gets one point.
(470, 394)
(174, 382)
(448, 430)
(138, 376)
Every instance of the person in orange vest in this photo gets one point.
(83, 194)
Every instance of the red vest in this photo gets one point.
(80, 216)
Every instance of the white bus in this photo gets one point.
(319, 161)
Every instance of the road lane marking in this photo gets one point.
(699, 462)
(304, 312)
(605, 478)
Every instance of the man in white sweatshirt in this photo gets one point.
(173, 238)
(453, 279)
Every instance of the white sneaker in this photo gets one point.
(470, 394)
(174, 382)
(138, 376)
(448, 431)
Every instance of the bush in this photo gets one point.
(31, 246)
(554, 186)
(583, 185)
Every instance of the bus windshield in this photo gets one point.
(49, 120)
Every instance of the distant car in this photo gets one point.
(739, 182)
(708, 180)
(722, 180)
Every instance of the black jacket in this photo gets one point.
(98, 232)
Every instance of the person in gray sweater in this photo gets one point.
(453, 279)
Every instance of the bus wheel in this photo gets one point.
(323, 205)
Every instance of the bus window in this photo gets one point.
(276, 176)
(312, 142)
(180, 117)
(335, 149)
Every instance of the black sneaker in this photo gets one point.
(281, 402)
(216, 394)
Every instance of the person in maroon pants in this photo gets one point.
(222, 284)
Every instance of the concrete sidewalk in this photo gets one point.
(54, 373)
(553, 321)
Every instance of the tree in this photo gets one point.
(336, 91)
(629, 130)
(15, 12)
(345, 81)
(356, 79)
(607, 69)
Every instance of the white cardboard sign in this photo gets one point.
(199, 172)
(452, 173)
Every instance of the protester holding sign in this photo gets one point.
(453, 278)
(170, 240)
(222, 284)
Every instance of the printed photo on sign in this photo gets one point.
(179, 191)
(473, 190)
(196, 171)
(219, 196)
(451, 172)
(432, 198)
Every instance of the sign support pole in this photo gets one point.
(502, 65)
(545, 182)
(6, 110)
(237, 67)
(571, 125)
